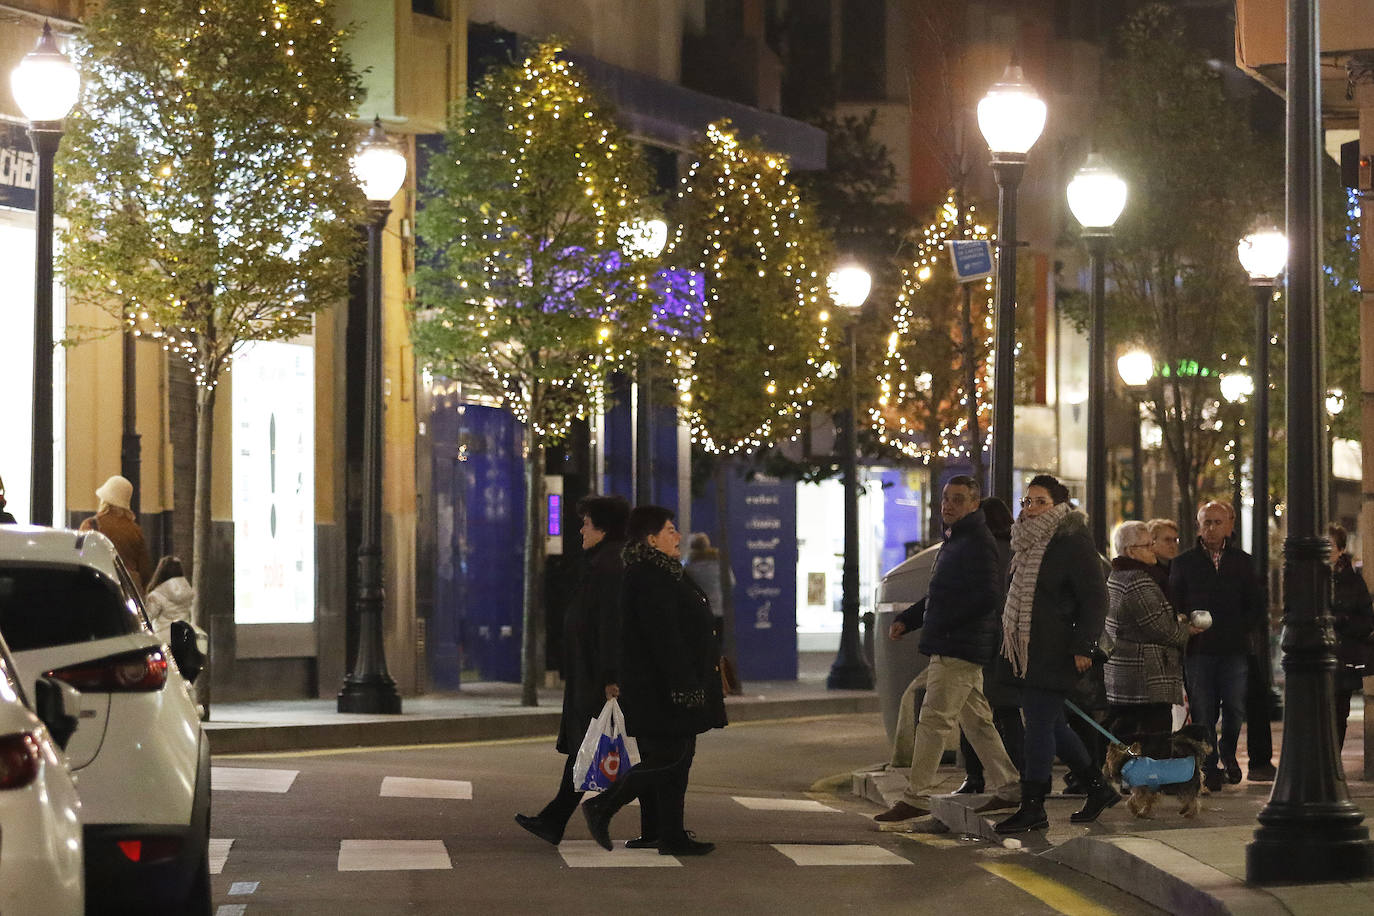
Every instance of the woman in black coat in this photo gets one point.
(1354, 624)
(1056, 607)
(591, 639)
(670, 686)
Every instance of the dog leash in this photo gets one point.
(1093, 722)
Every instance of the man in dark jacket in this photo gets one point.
(1218, 577)
(960, 632)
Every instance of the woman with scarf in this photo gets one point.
(1053, 618)
(1145, 672)
(670, 686)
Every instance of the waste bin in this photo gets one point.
(896, 662)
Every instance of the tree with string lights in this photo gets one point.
(761, 258)
(208, 196)
(522, 293)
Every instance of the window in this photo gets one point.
(42, 606)
(863, 64)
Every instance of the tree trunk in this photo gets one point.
(532, 642)
(935, 526)
(200, 544)
(720, 478)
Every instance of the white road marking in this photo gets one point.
(859, 854)
(587, 854)
(239, 888)
(251, 779)
(393, 855)
(784, 804)
(219, 851)
(406, 787)
(232, 909)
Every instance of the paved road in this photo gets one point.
(430, 830)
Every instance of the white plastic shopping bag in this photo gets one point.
(606, 753)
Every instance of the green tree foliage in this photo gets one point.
(1199, 178)
(762, 259)
(208, 194)
(521, 293)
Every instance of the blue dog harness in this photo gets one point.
(1153, 774)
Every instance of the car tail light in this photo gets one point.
(150, 849)
(19, 759)
(140, 671)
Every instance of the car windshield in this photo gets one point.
(43, 606)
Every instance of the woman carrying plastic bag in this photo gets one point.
(607, 752)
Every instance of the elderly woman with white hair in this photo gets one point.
(1145, 672)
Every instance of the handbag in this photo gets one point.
(607, 751)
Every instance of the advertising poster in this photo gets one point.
(763, 546)
(274, 483)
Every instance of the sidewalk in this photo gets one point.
(478, 712)
(1178, 865)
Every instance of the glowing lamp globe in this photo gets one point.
(849, 285)
(1263, 253)
(643, 238)
(1335, 401)
(1236, 387)
(1097, 195)
(1012, 115)
(45, 85)
(1136, 368)
(379, 165)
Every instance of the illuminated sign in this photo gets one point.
(274, 483)
(555, 512)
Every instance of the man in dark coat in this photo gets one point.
(1218, 577)
(960, 632)
(591, 640)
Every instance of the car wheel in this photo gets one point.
(198, 898)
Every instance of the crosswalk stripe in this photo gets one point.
(587, 854)
(393, 855)
(240, 888)
(251, 779)
(1057, 896)
(219, 852)
(784, 804)
(231, 909)
(408, 787)
(839, 854)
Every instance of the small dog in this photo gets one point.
(1190, 741)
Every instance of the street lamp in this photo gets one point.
(45, 85)
(1097, 195)
(643, 239)
(380, 168)
(1237, 388)
(1011, 117)
(849, 287)
(1309, 830)
(1136, 368)
(1263, 253)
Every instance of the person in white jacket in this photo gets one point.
(169, 597)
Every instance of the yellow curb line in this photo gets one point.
(1063, 899)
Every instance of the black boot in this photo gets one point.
(546, 830)
(970, 786)
(1101, 796)
(1031, 814)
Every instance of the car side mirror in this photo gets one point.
(185, 650)
(57, 705)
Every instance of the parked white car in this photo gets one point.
(70, 612)
(40, 812)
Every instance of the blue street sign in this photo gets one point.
(972, 259)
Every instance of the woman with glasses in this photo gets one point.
(1145, 672)
(1051, 623)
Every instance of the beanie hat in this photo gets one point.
(117, 492)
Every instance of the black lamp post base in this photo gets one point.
(375, 695)
(1306, 843)
(849, 675)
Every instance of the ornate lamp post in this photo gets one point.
(1237, 388)
(1097, 195)
(849, 287)
(1136, 368)
(644, 240)
(1011, 117)
(1263, 254)
(1309, 830)
(381, 170)
(45, 85)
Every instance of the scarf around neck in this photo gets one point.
(640, 552)
(1029, 538)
